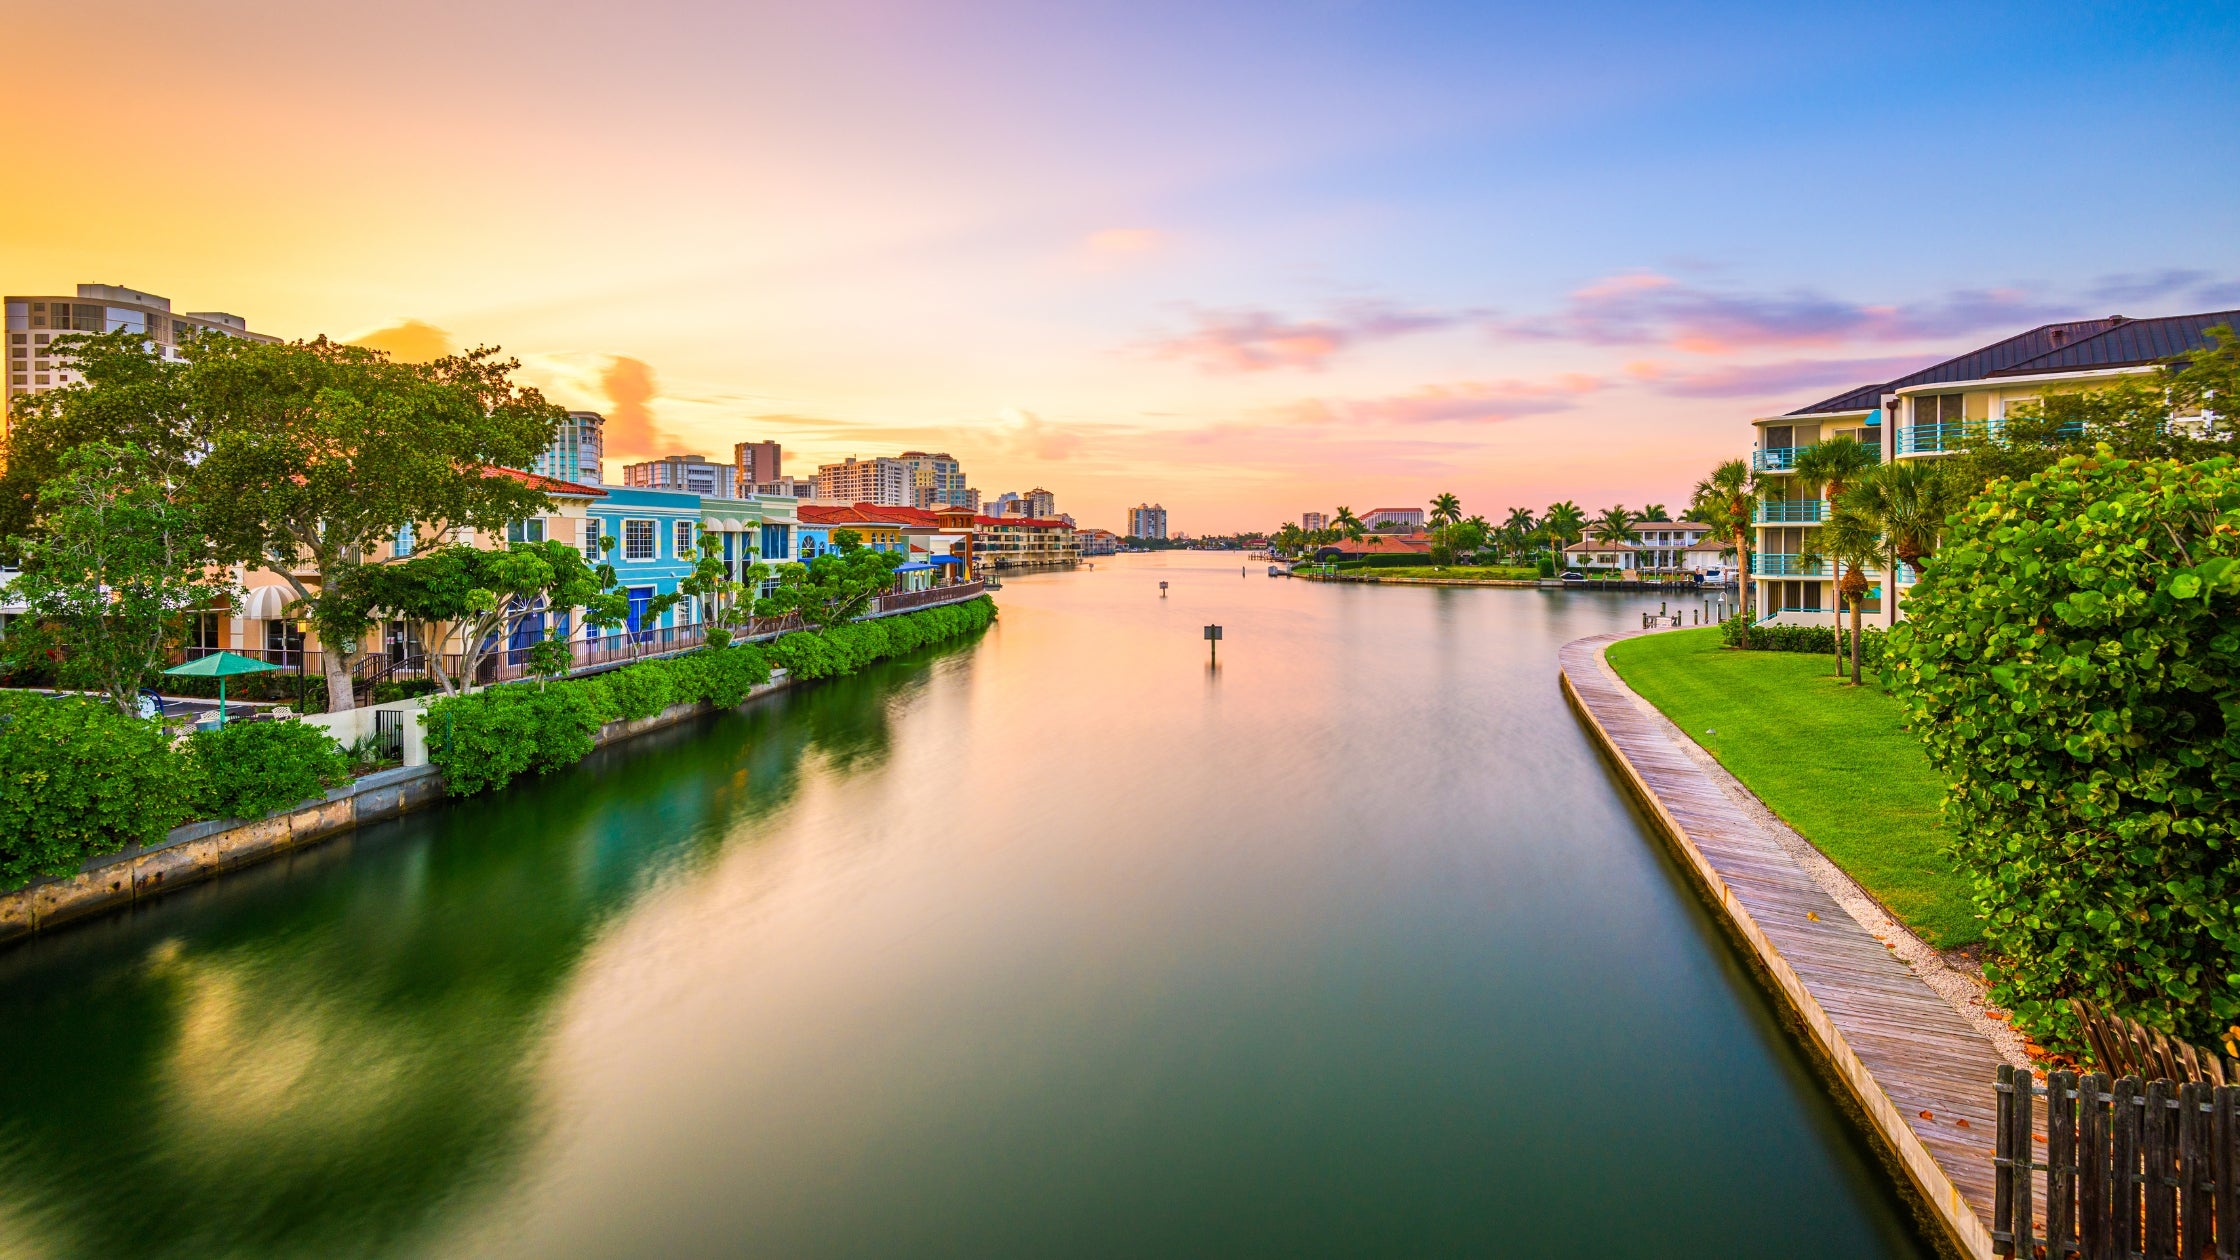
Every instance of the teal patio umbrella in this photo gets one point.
(220, 665)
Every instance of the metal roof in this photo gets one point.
(2077, 345)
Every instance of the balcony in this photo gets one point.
(1934, 439)
(1784, 458)
(1793, 512)
(1763, 565)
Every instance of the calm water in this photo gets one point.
(1053, 944)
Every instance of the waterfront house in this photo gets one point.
(1653, 549)
(655, 536)
(879, 526)
(1023, 542)
(1926, 415)
(1374, 545)
(754, 528)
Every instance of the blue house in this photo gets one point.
(656, 534)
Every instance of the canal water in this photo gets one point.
(1056, 943)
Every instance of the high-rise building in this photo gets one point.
(1147, 520)
(971, 500)
(1312, 521)
(886, 482)
(936, 479)
(787, 488)
(1041, 504)
(574, 453)
(1393, 518)
(34, 323)
(690, 473)
(1007, 504)
(757, 463)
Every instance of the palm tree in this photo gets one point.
(1563, 522)
(1724, 501)
(1517, 529)
(1614, 525)
(1446, 510)
(1907, 503)
(1655, 512)
(1348, 524)
(1828, 466)
(1854, 541)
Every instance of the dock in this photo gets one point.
(1923, 1077)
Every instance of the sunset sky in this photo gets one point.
(1242, 259)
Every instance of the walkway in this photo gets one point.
(1921, 1073)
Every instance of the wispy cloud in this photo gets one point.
(1752, 380)
(1463, 402)
(1644, 308)
(1259, 340)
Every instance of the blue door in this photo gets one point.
(526, 633)
(640, 597)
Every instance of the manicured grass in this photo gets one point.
(1483, 572)
(1831, 760)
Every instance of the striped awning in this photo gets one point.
(267, 603)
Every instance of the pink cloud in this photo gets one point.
(1643, 308)
(1258, 341)
(1473, 402)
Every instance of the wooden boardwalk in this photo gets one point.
(1923, 1076)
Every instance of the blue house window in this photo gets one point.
(403, 544)
(639, 541)
(684, 540)
(774, 542)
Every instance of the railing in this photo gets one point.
(2134, 1170)
(1784, 458)
(1935, 439)
(1763, 565)
(1793, 512)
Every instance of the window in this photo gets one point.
(684, 540)
(638, 540)
(402, 545)
(2013, 405)
(1937, 409)
(205, 639)
(1779, 436)
(528, 531)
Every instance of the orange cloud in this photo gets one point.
(630, 389)
(411, 341)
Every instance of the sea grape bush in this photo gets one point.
(249, 769)
(79, 779)
(484, 741)
(2072, 661)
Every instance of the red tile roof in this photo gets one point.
(1028, 521)
(550, 485)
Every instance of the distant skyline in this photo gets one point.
(1245, 260)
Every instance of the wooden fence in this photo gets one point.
(2126, 1047)
(2133, 1170)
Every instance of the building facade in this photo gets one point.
(1654, 549)
(1097, 542)
(936, 480)
(1041, 504)
(758, 463)
(1926, 415)
(886, 482)
(1393, 518)
(575, 450)
(1006, 542)
(1147, 520)
(1314, 521)
(35, 323)
(692, 474)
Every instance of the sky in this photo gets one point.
(1244, 260)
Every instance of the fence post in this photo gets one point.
(2124, 1211)
(2193, 1168)
(2061, 1162)
(2161, 1216)
(2002, 1164)
(2225, 1134)
(2093, 1235)
(2025, 1206)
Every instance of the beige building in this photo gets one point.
(883, 481)
(693, 474)
(1926, 415)
(758, 463)
(34, 322)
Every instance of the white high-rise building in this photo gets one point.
(36, 322)
(1147, 520)
(883, 481)
(574, 453)
(690, 473)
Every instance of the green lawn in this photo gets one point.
(1831, 760)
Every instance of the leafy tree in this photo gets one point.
(1445, 509)
(116, 567)
(1854, 541)
(1517, 530)
(480, 597)
(129, 398)
(1827, 467)
(834, 588)
(1455, 539)
(721, 596)
(2069, 661)
(302, 456)
(2209, 381)
(1726, 500)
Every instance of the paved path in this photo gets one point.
(1920, 1071)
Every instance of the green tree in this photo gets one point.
(1517, 530)
(1445, 509)
(1614, 524)
(1456, 539)
(1563, 523)
(114, 570)
(479, 597)
(1348, 525)
(1826, 468)
(1726, 501)
(1655, 512)
(834, 588)
(1854, 541)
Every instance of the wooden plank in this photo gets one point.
(2093, 1231)
(2225, 1133)
(2161, 1214)
(2124, 1213)
(2061, 1163)
(2003, 1161)
(2193, 1169)
(1913, 1063)
(2025, 1239)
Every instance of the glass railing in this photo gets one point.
(1763, 565)
(1793, 512)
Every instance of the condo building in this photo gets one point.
(1392, 518)
(885, 482)
(936, 480)
(1147, 520)
(692, 474)
(1313, 521)
(574, 453)
(36, 322)
(1926, 415)
(757, 464)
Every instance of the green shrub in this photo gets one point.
(249, 769)
(483, 740)
(567, 721)
(2072, 660)
(640, 691)
(1547, 567)
(79, 779)
(1774, 637)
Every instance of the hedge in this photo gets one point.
(1774, 637)
(484, 741)
(249, 769)
(79, 779)
(2072, 661)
